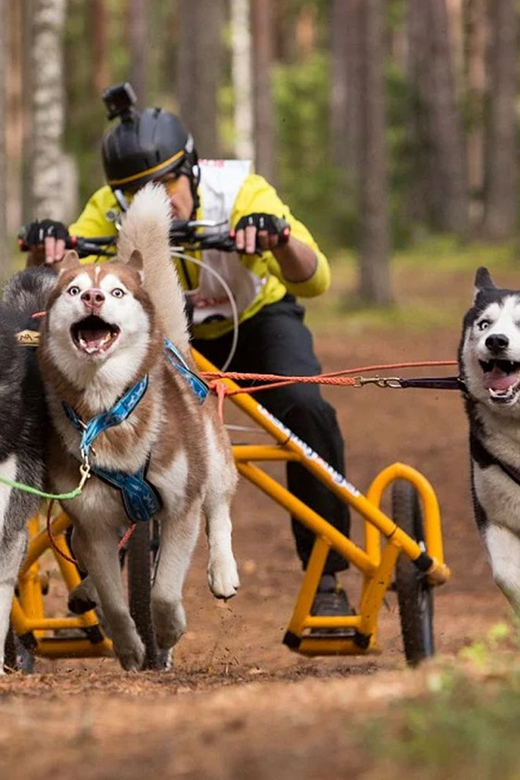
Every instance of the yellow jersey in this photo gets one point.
(227, 190)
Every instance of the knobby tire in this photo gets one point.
(139, 573)
(414, 593)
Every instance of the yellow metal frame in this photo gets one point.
(376, 561)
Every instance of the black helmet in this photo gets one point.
(144, 146)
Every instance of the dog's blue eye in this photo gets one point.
(483, 324)
(74, 290)
(117, 293)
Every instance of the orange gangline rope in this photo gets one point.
(338, 378)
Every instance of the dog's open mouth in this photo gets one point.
(93, 335)
(501, 379)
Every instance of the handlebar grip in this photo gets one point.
(70, 243)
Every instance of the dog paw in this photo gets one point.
(83, 598)
(165, 660)
(169, 622)
(130, 653)
(223, 578)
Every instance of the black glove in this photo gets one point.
(275, 226)
(36, 232)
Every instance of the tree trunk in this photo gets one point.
(200, 50)
(346, 95)
(48, 108)
(501, 189)
(423, 186)
(440, 160)
(99, 26)
(374, 264)
(263, 107)
(242, 79)
(456, 35)
(138, 46)
(445, 124)
(477, 32)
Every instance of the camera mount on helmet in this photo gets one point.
(120, 101)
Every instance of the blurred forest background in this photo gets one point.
(381, 122)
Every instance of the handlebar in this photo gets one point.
(183, 234)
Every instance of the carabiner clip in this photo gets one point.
(391, 381)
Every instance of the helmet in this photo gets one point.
(144, 146)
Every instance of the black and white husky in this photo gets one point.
(22, 427)
(489, 362)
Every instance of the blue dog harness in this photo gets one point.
(141, 499)
(199, 387)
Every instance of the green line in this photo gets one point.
(36, 492)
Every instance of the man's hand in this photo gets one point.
(260, 232)
(46, 241)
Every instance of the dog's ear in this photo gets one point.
(483, 281)
(70, 261)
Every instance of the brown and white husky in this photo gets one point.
(156, 448)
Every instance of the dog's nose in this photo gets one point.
(497, 342)
(93, 298)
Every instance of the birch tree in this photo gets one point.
(47, 109)
(242, 78)
(262, 25)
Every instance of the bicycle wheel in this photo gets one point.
(140, 560)
(414, 593)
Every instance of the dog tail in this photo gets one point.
(146, 227)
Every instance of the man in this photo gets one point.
(277, 260)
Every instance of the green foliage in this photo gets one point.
(439, 268)
(85, 115)
(306, 176)
(481, 653)
(401, 153)
(464, 724)
(464, 729)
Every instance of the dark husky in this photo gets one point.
(489, 361)
(22, 427)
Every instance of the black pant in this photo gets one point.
(276, 341)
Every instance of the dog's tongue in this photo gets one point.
(93, 338)
(496, 379)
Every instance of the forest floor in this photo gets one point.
(239, 704)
